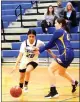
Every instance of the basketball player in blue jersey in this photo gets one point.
(29, 60)
(60, 39)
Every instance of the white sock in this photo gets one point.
(73, 82)
(52, 85)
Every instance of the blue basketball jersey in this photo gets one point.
(60, 39)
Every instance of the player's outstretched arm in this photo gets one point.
(18, 60)
(51, 53)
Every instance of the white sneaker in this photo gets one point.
(25, 89)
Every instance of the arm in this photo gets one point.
(64, 16)
(18, 59)
(74, 17)
(51, 43)
(62, 13)
(51, 53)
(20, 55)
(36, 50)
(44, 16)
(55, 17)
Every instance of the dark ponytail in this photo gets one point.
(64, 24)
(66, 28)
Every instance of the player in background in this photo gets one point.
(60, 39)
(29, 60)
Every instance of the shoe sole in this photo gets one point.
(57, 95)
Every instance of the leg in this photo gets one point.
(52, 68)
(27, 77)
(27, 73)
(22, 75)
(53, 92)
(63, 73)
(30, 66)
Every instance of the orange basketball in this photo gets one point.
(15, 91)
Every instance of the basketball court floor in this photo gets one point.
(39, 85)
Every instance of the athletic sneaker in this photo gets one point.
(53, 93)
(74, 86)
(25, 89)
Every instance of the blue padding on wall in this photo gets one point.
(47, 37)
(13, 6)
(52, 29)
(5, 24)
(10, 53)
(39, 30)
(75, 45)
(16, 46)
(44, 54)
(9, 18)
(11, 12)
(14, 53)
(74, 29)
(14, 2)
(75, 37)
(39, 23)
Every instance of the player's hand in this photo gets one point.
(36, 52)
(36, 49)
(15, 68)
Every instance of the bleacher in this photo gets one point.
(8, 10)
(15, 34)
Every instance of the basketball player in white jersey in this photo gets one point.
(29, 60)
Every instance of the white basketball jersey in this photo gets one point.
(27, 50)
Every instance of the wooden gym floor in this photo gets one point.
(39, 86)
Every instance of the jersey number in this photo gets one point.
(30, 55)
(68, 38)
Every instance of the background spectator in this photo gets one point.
(59, 10)
(70, 15)
(49, 19)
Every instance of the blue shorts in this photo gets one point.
(66, 60)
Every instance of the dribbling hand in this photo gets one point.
(36, 51)
(14, 68)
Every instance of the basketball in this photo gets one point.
(15, 91)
